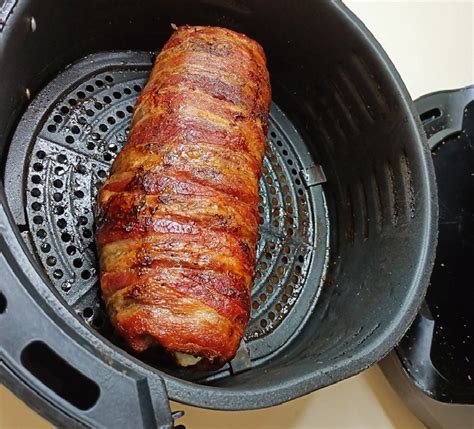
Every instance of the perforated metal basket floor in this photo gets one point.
(61, 153)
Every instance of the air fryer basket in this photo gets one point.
(348, 209)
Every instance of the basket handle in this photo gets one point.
(70, 381)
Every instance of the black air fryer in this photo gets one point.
(348, 207)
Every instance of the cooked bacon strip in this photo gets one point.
(177, 218)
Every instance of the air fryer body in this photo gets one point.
(339, 96)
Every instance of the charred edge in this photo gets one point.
(393, 193)
(408, 183)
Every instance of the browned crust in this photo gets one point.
(177, 219)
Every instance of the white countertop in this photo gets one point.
(431, 44)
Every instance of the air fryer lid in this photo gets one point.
(342, 266)
(433, 366)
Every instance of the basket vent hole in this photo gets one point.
(3, 303)
(77, 263)
(71, 250)
(59, 171)
(41, 233)
(36, 206)
(57, 274)
(58, 183)
(38, 220)
(52, 370)
(51, 261)
(88, 312)
(45, 247)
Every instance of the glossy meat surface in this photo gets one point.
(177, 218)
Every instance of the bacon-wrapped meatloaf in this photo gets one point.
(177, 218)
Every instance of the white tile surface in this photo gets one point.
(430, 42)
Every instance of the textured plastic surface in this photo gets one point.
(432, 367)
(341, 93)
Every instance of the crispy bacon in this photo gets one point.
(177, 218)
